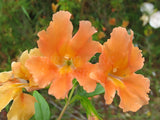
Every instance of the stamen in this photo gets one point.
(69, 62)
(117, 77)
(114, 70)
(116, 80)
(66, 57)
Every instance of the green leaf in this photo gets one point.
(42, 111)
(95, 58)
(90, 109)
(25, 12)
(99, 90)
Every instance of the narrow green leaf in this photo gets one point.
(99, 90)
(25, 12)
(75, 98)
(90, 109)
(42, 111)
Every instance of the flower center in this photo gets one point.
(67, 65)
(117, 80)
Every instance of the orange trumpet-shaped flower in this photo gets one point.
(117, 64)
(64, 57)
(11, 85)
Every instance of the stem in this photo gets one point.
(68, 101)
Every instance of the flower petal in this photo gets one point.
(136, 61)
(155, 20)
(99, 76)
(110, 88)
(123, 56)
(20, 71)
(104, 62)
(22, 107)
(54, 41)
(24, 57)
(61, 86)
(42, 70)
(82, 44)
(5, 76)
(34, 52)
(7, 93)
(110, 91)
(82, 76)
(134, 94)
(147, 7)
(118, 47)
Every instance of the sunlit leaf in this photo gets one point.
(42, 111)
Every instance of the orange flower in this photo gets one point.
(54, 7)
(112, 21)
(117, 64)
(113, 9)
(101, 35)
(64, 57)
(104, 28)
(11, 85)
(125, 23)
(19, 69)
(23, 104)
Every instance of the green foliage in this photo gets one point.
(70, 5)
(99, 90)
(82, 96)
(42, 111)
(95, 58)
(87, 105)
(90, 109)
(20, 20)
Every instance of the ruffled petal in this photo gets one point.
(119, 48)
(34, 52)
(42, 69)
(104, 64)
(5, 76)
(24, 57)
(120, 39)
(110, 88)
(61, 86)
(82, 76)
(134, 94)
(54, 40)
(22, 107)
(7, 93)
(110, 91)
(136, 61)
(82, 44)
(20, 71)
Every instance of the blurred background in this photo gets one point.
(21, 20)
